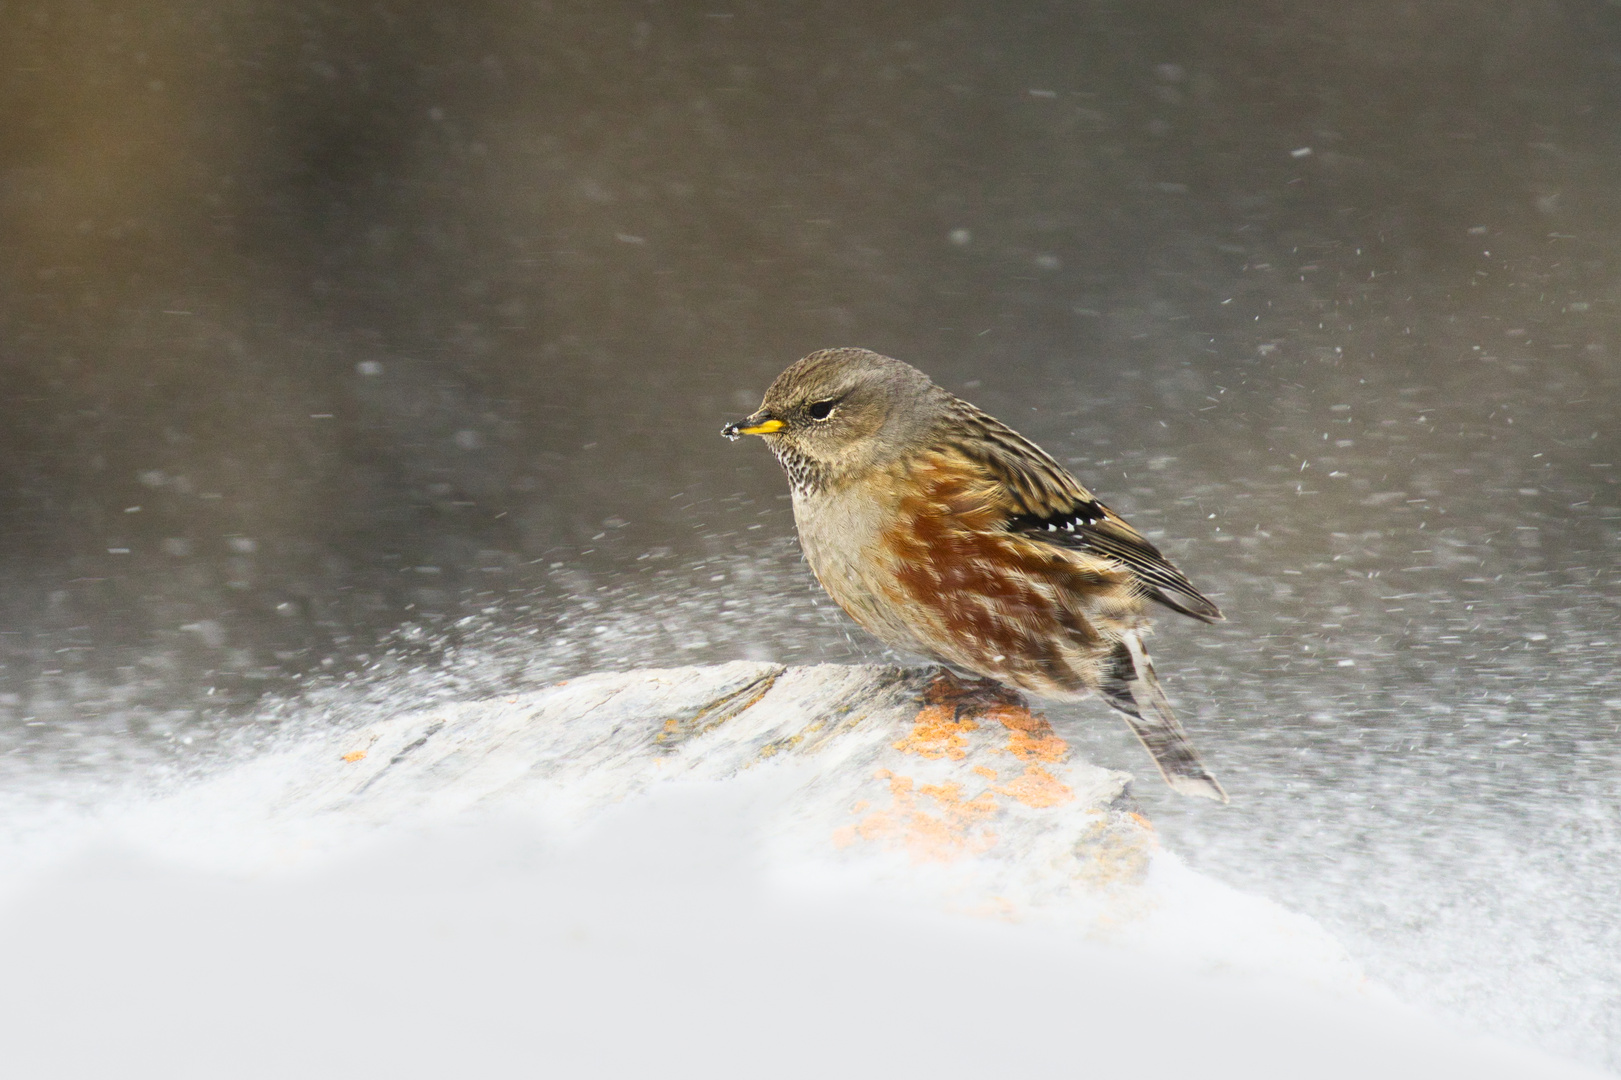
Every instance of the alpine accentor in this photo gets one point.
(946, 533)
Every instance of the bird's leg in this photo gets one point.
(973, 697)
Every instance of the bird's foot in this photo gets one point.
(971, 697)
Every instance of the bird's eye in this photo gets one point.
(821, 410)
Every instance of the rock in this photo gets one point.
(626, 933)
(897, 762)
(928, 790)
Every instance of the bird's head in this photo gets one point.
(839, 412)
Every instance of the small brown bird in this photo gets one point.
(944, 532)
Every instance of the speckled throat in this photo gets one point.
(805, 476)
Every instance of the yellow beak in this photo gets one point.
(758, 424)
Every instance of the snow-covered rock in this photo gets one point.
(734, 871)
(849, 777)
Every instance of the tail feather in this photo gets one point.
(1129, 684)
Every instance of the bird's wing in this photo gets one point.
(1044, 502)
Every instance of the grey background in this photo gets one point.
(409, 332)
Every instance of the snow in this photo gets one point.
(539, 888)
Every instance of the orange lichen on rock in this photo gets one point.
(949, 796)
(937, 732)
(354, 755)
(1037, 788)
(1047, 747)
(1030, 735)
(1115, 851)
(986, 771)
(954, 830)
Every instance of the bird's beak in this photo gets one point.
(761, 423)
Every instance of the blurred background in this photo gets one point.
(358, 354)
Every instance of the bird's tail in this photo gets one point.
(1129, 684)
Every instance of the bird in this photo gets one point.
(945, 533)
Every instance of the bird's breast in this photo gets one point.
(923, 564)
(843, 536)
